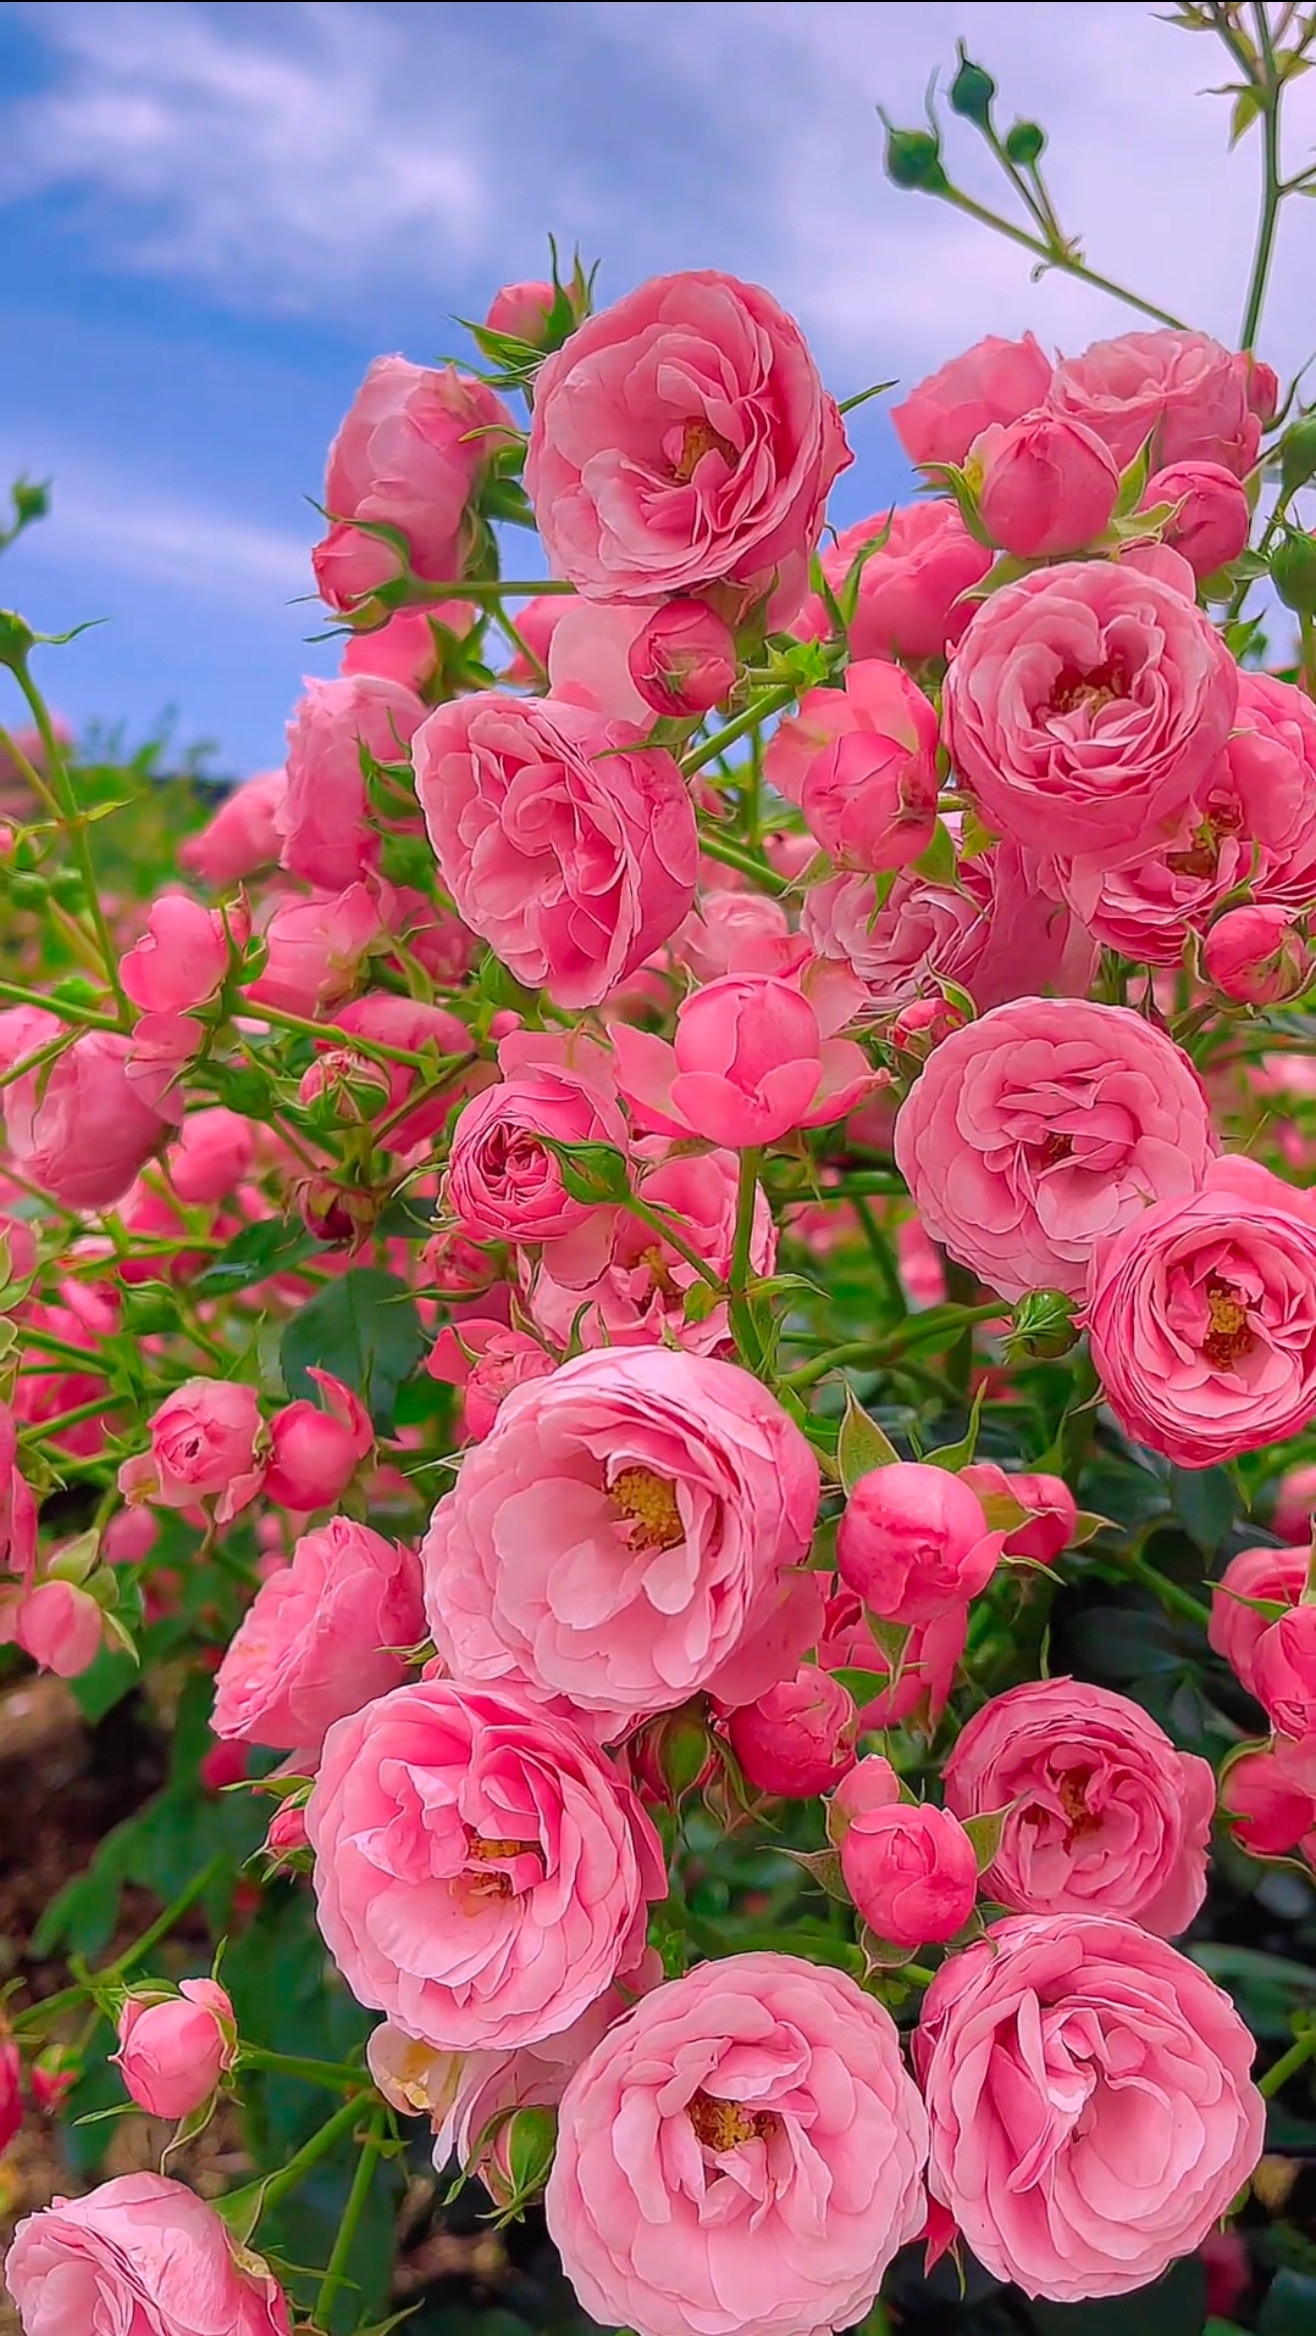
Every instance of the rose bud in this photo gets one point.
(1269, 1810)
(1255, 956)
(911, 1871)
(1046, 1533)
(314, 1454)
(683, 661)
(1211, 523)
(521, 311)
(1284, 1672)
(913, 1541)
(174, 2050)
(799, 1738)
(1045, 485)
(871, 1784)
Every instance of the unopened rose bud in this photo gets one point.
(519, 2158)
(913, 161)
(912, 1872)
(671, 1756)
(923, 1024)
(871, 1784)
(1293, 569)
(173, 2052)
(914, 1541)
(1044, 485)
(54, 2074)
(1297, 454)
(799, 1739)
(337, 1214)
(1211, 523)
(1255, 956)
(1042, 1324)
(346, 1086)
(972, 90)
(521, 311)
(684, 660)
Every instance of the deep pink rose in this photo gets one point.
(183, 956)
(753, 1057)
(408, 649)
(207, 1443)
(317, 1448)
(76, 1125)
(911, 1871)
(486, 1360)
(1294, 1504)
(743, 2152)
(411, 454)
(798, 1740)
(173, 2049)
(213, 1154)
(567, 845)
(1256, 955)
(1284, 1673)
(1045, 486)
(917, 1679)
(482, 1874)
(1049, 1530)
(919, 561)
(589, 658)
(862, 763)
(1103, 1815)
(1195, 400)
(683, 660)
(1255, 1578)
(1085, 706)
(722, 925)
(1091, 2105)
(1039, 1131)
(1202, 1318)
(994, 381)
(323, 1636)
(317, 950)
(504, 1182)
(329, 835)
(626, 1524)
(1270, 1810)
(871, 1784)
(681, 439)
(913, 1541)
(139, 2254)
(59, 1625)
(11, 2092)
(1212, 517)
(242, 837)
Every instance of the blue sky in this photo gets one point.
(214, 216)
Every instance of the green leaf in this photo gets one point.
(274, 1245)
(1206, 1502)
(1290, 2307)
(937, 864)
(864, 1686)
(365, 1329)
(862, 1445)
(985, 1834)
(957, 1456)
(104, 1683)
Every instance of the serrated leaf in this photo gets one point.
(937, 864)
(825, 1867)
(365, 1329)
(861, 1445)
(985, 1832)
(959, 1455)
(272, 1245)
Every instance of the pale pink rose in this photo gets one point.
(317, 950)
(1284, 1673)
(243, 835)
(77, 1125)
(655, 1501)
(862, 763)
(486, 1360)
(160, 1053)
(1270, 1811)
(207, 1444)
(59, 1625)
(919, 562)
(503, 1181)
(566, 843)
(918, 1679)
(329, 834)
(913, 1541)
(521, 311)
(212, 1155)
(589, 659)
(173, 2049)
(716, 932)
(911, 1871)
(143, 2255)
(1212, 517)
(1252, 1580)
(1045, 486)
(399, 1022)
(1090, 2099)
(1256, 955)
(408, 650)
(1046, 1127)
(753, 1057)
(429, 932)
(1050, 1528)
(323, 1636)
(743, 2151)
(317, 1448)
(682, 439)
(683, 660)
(481, 1872)
(1103, 1815)
(798, 1740)
(183, 956)
(412, 453)
(1295, 1503)
(1195, 400)
(1202, 1318)
(994, 381)
(1085, 707)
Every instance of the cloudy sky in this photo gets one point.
(214, 217)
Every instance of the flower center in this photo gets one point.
(1229, 1336)
(699, 438)
(648, 1503)
(1087, 693)
(493, 1882)
(660, 1273)
(1074, 1802)
(722, 2125)
(1056, 1147)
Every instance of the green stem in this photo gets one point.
(140, 1948)
(459, 589)
(854, 1350)
(83, 1359)
(335, 2076)
(85, 1017)
(1174, 1599)
(709, 749)
(883, 1255)
(1288, 2064)
(72, 1419)
(331, 1034)
(742, 1316)
(325, 2139)
(719, 847)
(674, 1240)
(336, 2269)
(1056, 256)
(1307, 663)
(75, 823)
(1268, 86)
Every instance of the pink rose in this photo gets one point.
(410, 648)
(1037, 1132)
(486, 1360)
(1270, 1811)
(670, 1496)
(212, 1155)
(521, 311)
(862, 763)
(589, 659)
(481, 1872)
(1091, 2108)
(323, 1636)
(994, 381)
(419, 1027)
(1202, 1319)
(713, 937)
(503, 1181)
(1195, 401)
(1252, 1580)
(412, 454)
(1049, 1530)
(1085, 706)
(913, 1541)
(920, 563)
(1212, 518)
(329, 834)
(59, 1625)
(753, 1057)
(1294, 1504)
(76, 1125)
(1256, 955)
(683, 659)
(317, 950)
(567, 845)
(206, 1444)
(743, 2151)
(681, 439)
(918, 1679)
(139, 2253)
(317, 1448)
(243, 835)
(911, 1871)
(184, 955)
(871, 1784)
(798, 1740)
(173, 2049)
(1045, 486)
(1284, 1673)
(1103, 1816)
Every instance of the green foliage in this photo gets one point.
(365, 1330)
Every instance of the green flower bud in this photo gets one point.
(972, 91)
(27, 889)
(16, 638)
(1024, 142)
(1297, 453)
(913, 161)
(68, 888)
(1293, 568)
(1042, 1324)
(147, 1308)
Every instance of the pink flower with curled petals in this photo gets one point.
(144, 2254)
(994, 381)
(752, 1058)
(861, 762)
(323, 1635)
(1195, 400)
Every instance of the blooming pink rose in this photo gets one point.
(317, 950)
(589, 659)
(76, 1125)
(994, 381)
(408, 649)
(743, 2151)
(59, 1625)
(1284, 1673)
(752, 1058)
(139, 2254)
(242, 837)
(683, 659)
(412, 453)
(1202, 1318)
(206, 1444)
(681, 439)
(1212, 518)
(1037, 1132)
(174, 2049)
(211, 1155)
(503, 1181)
(1045, 485)
(724, 924)
(322, 1636)
(1091, 2108)
(567, 845)
(183, 956)
(1085, 706)
(1195, 401)
(862, 763)
(486, 1360)
(919, 1678)
(1049, 1530)
(481, 1871)
(1252, 1580)
(912, 585)
(1256, 955)
(1103, 1816)
(329, 835)
(911, 1871)
(1270, 1810)
(386, 1087)
(798, 1740)
(316, 1449)
(913, 1541)
(654, 1501)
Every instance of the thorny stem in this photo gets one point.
(742, 1318)
(708, 749)
(336, 2269)
(1288, 2064)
